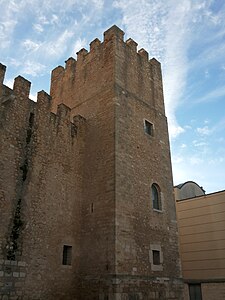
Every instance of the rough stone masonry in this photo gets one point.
(86, 193)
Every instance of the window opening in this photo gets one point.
(92, 207)
(195, 292)
(156, 200)
(156, 257)
(148, 127)
(67, 255)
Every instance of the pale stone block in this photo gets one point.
(22, 264)
(22, 274)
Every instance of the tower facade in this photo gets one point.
(86, 184)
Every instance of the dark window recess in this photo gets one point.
(195, 292)
(148, 128)
(67, 255)
(156, 257)
(156, 200)
(92, 207)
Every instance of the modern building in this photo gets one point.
(87, 206)
(201, 223)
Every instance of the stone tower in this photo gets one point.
(87, 207)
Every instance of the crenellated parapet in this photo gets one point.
(113, 62)
(21, 105)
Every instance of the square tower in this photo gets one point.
(128, 213)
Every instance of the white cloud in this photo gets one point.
(6, 29)
(98, 3)
(14, 62)
(30, 45)
(79, 44)
(59, 45)
(204, 130)
(212, 96)
(48, 50)
(183, 146)
(43, 21)
(33, 68)
(199, 143)
(38, 27)
(33, 97)
(174, 128)
(9, 83)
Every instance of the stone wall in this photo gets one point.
(41, 183)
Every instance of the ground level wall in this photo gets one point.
(128, 287)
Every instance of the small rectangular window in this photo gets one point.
(148, 127)
(67, 255)
(92, 207)
(156, 257)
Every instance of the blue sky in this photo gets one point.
(187, 37)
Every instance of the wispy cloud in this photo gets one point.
(38, 28)
(212, 95)
(30, 45)
(9, 83)
(33, 68)
(6, 29)
(79, 44)
(199, 143)
(204, 130)
(59, 45)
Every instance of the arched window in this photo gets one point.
(156, 199)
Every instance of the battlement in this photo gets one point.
(21, 86)
(113, 35)
(111, 61)
(23, 105)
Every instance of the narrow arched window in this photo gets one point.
(156, 199)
